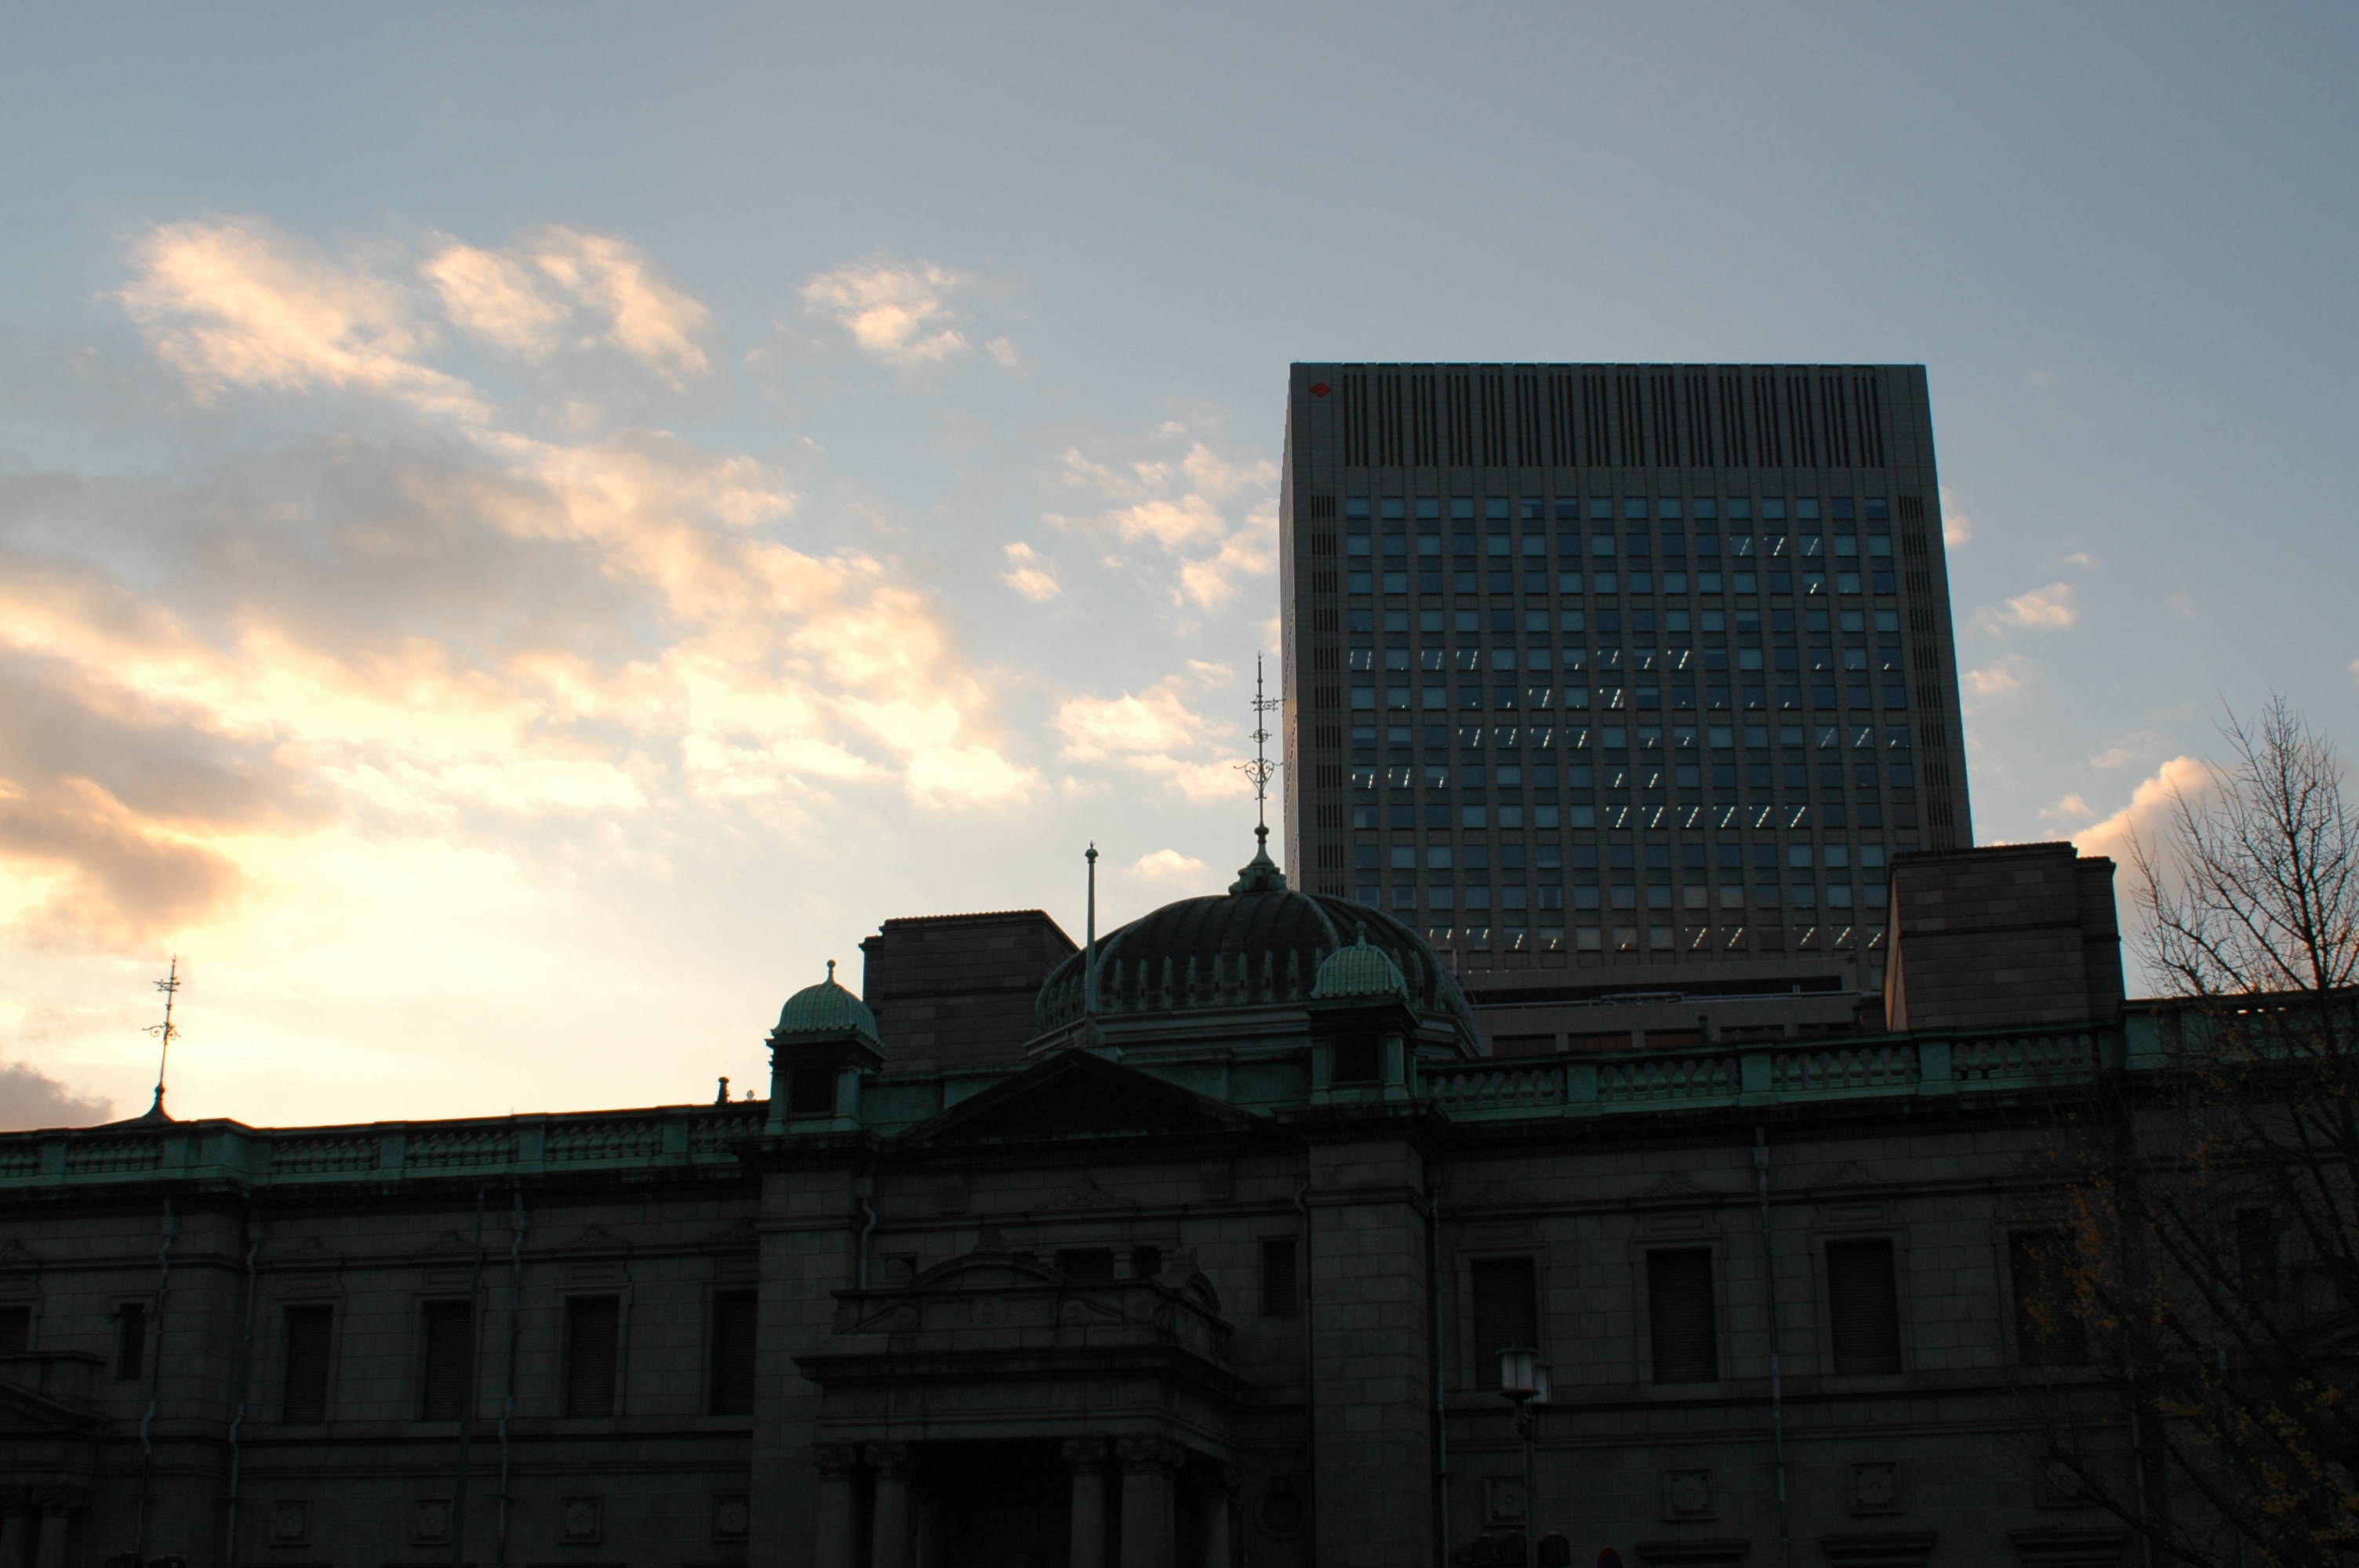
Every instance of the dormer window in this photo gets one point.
(810, 1091)
(1359, 1059)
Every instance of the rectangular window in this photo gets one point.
(303, 1401)
(449, 1387)
(735, 1315)
(1506, 1312)
(15, 1330)
(130, 1340)
(2048, 1331)
(810, 1091)
(1863, 1308)
(593, 1336)
(1278, 1298)
(1680, 1316)
(1358, 1059)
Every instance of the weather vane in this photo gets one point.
(1259, 770)
(165, 1033)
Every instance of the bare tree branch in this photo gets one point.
(2209, 1260)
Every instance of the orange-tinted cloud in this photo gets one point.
(438, 635)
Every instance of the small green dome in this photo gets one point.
(827, 1009)
(1359, 971)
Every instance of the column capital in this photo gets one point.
(835, 1460)
(1144, 1454)
(887, 1458)
(1085, 1453)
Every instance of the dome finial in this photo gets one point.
(830, 971)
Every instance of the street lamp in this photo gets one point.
(1524, 1382)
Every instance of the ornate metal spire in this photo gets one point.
(1261, 873)
(165, 1034)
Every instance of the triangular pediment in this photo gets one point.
(594, 1238)
(987, 1271)
(305, 1252)
(1085, 1195)
(1079, 1094)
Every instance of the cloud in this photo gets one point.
(1181, 524)
(240, 304)
(31, 1099)
(498, 298)
(1028, 573)
(1217, 517)
(2001, 678)
(88, 870)
(1009, 357)
(439, 634)
(1251, 551)
(1159, 721)
(1165, 865)
(2182, 604)
(559, 286)
(2041, 609)
(1957, 528)
(2072, 808)
(651, 320)
(2135, 748)
(2150, 805)
(2080, 558)
(2039, 378)
(1157, 733)
(899, 313)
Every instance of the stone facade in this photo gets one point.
(1210, 1282)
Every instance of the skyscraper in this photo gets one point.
(1616, 666)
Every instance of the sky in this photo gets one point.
(526, 530)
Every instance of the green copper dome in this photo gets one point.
(1359, 971)
(827, 1009)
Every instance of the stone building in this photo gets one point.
(1205, 1257)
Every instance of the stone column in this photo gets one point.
(21, 1536)
(1213, 1511)
(54, 1520)
(838, 1533)
(890, 1525)
(928, 1551)
(1086, 1457)
(1149, 1538)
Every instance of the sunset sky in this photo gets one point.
(526, 530)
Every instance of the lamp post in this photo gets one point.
(1524, 1382)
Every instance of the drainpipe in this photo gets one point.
(245, 1380)
(508, 1401)
(1777, 1376)
(866, 1226)
(467, 1407)
(1433, 1352)
(1309, 1384)
(155, 1375)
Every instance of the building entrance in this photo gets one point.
(1000, 1505)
